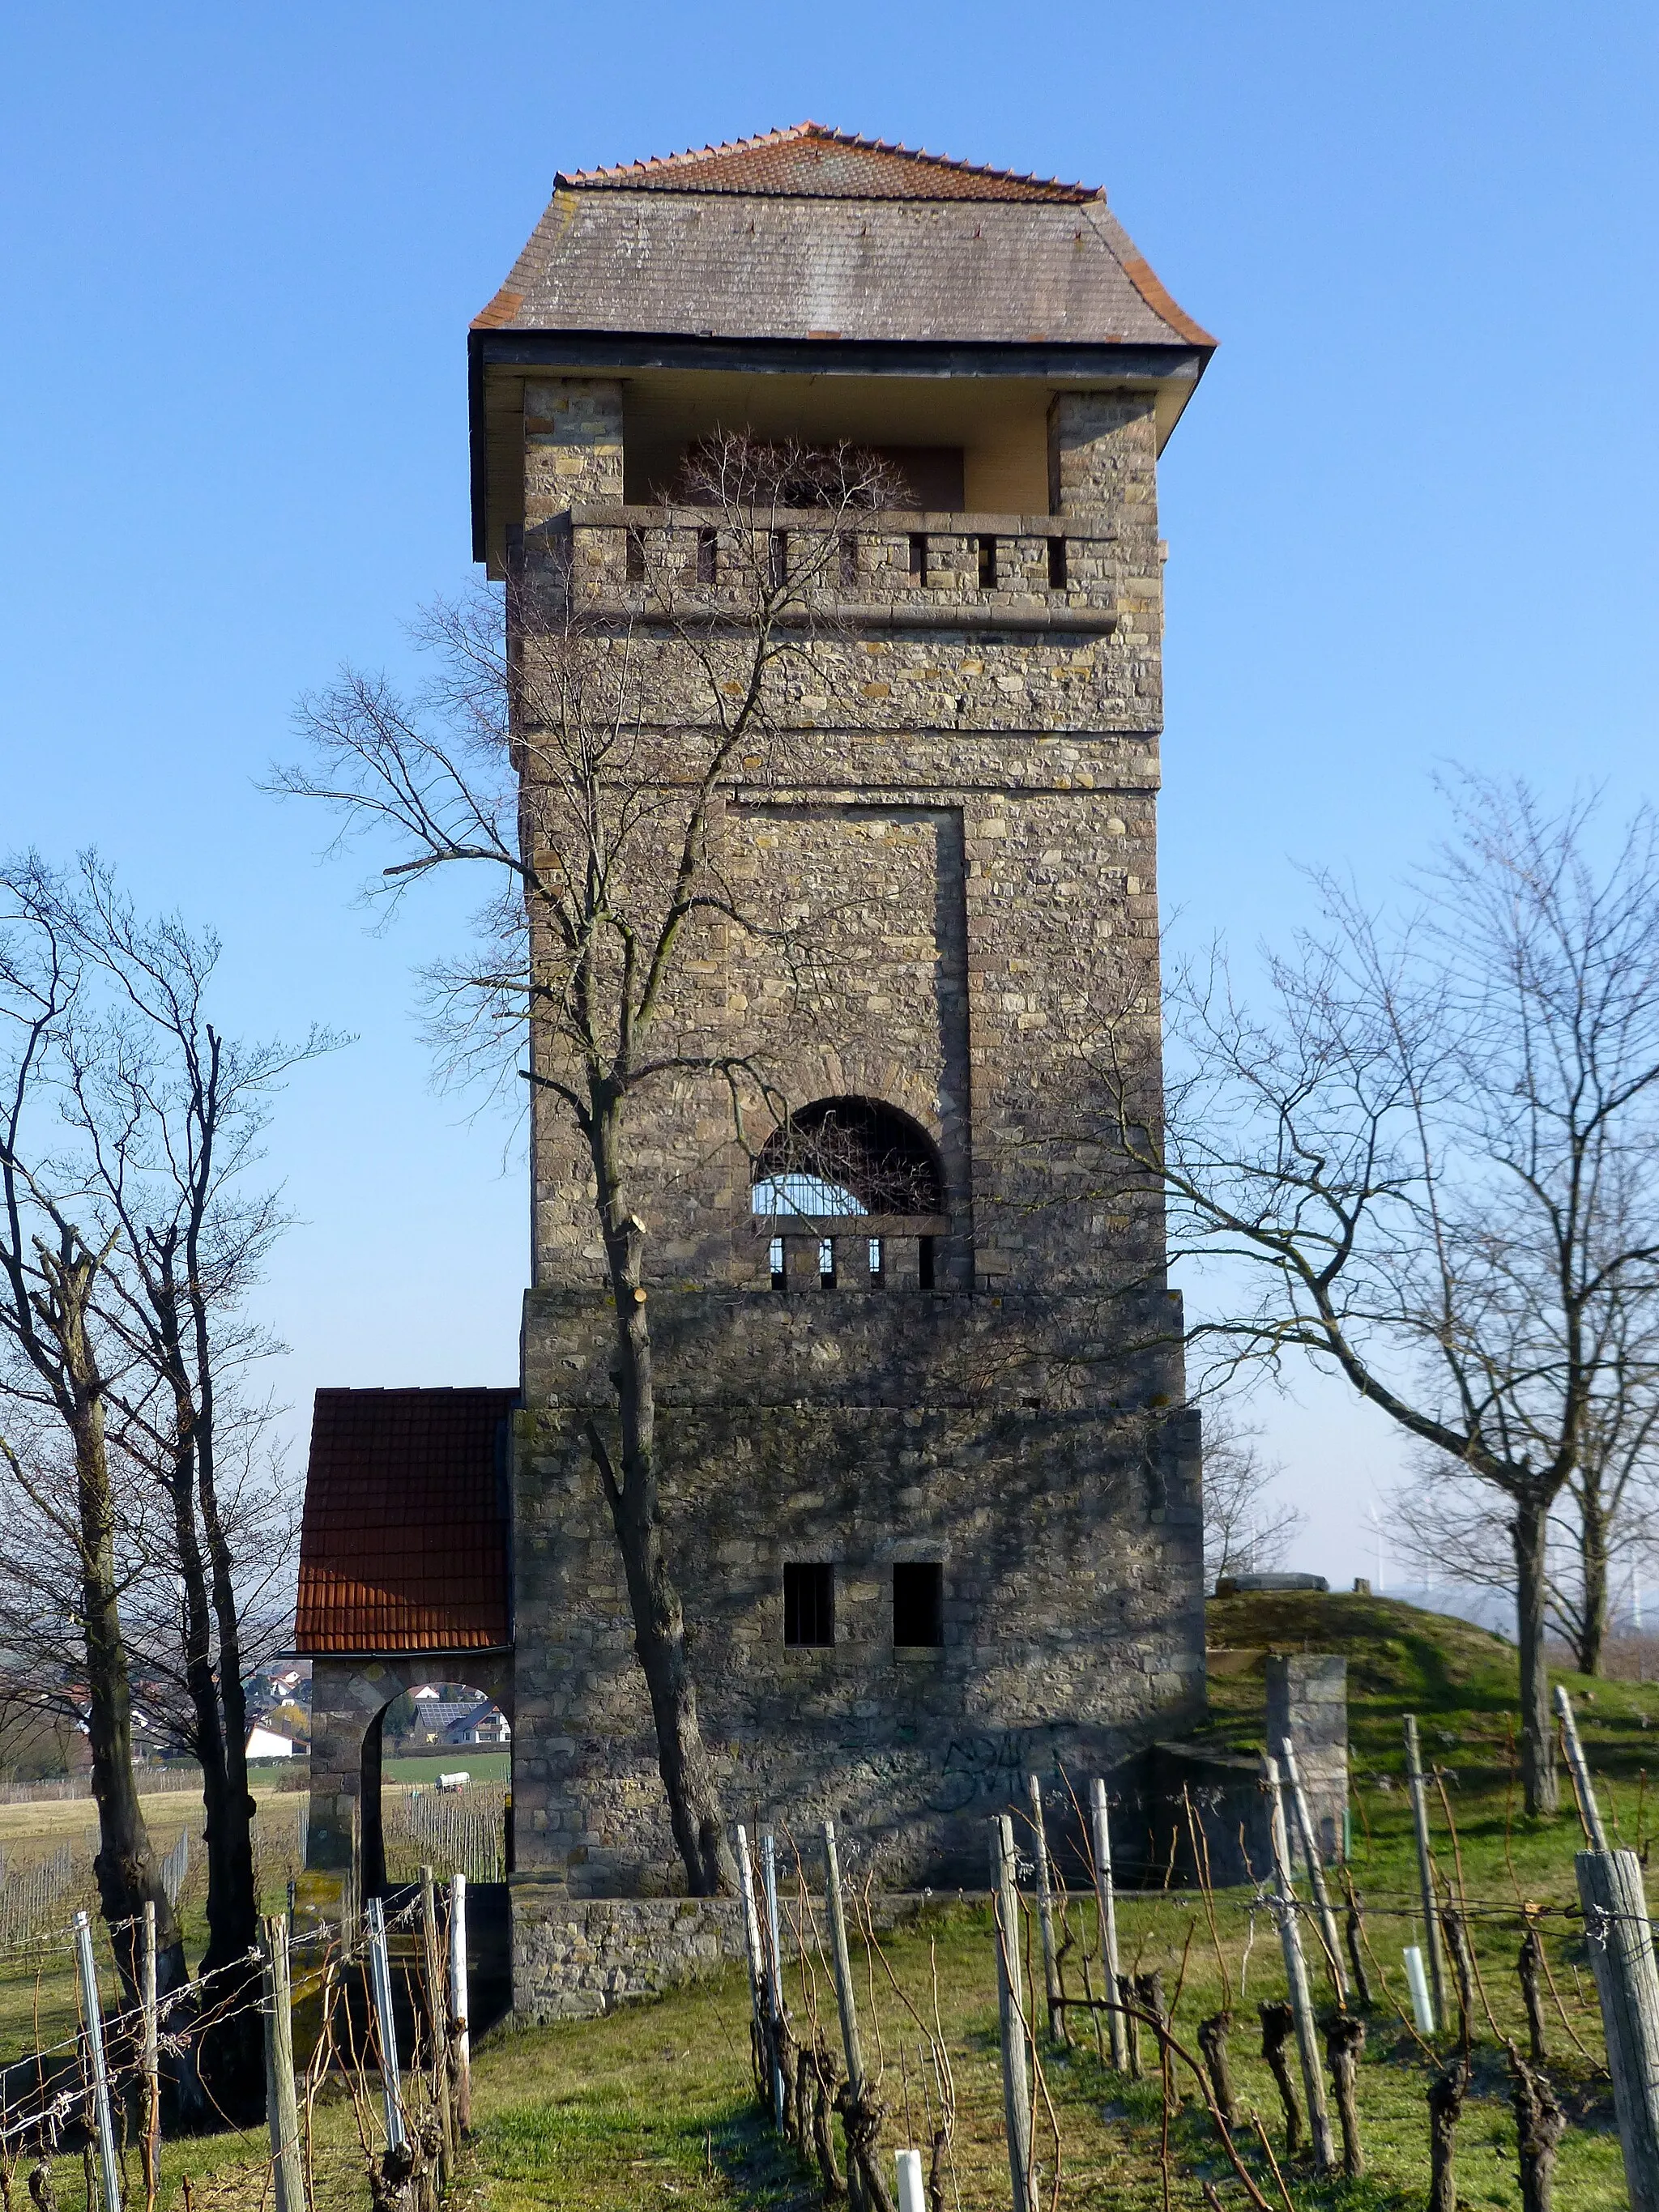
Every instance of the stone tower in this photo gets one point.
(932, 1498)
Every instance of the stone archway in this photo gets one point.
(344, 1845)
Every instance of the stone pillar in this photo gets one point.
(1308, 1701)
(1102, 475)
(573, 445)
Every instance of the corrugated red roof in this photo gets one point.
(403, 1545)
(809, 161)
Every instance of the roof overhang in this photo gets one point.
(1172, 372)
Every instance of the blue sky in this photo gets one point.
(1410, 511)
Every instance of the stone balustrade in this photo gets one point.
(870, 570)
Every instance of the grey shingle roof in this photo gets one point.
(807, 234)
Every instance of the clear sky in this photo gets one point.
(1410, 510)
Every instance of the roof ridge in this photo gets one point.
(655, 165)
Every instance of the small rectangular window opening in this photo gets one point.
(707, 556)
(780, 565)
(849, 557)
(776, 1262)
(925, 1262)
(918, 1602)
(917, 556)
(808, 1604)
(826, 1263)
(877, 1264)
(634, 557)
(988, 564)
(1057, 564)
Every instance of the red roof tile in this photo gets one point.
(403, 1545)
(810, 162)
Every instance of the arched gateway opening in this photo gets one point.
(405, 1608)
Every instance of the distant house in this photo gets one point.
(265, 1743)
(482, 1724)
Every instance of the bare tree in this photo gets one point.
(157, 1117)
(1435, 1158)
(584, 770)
(1247, 1529)
(54, 1415)
(1605, 1517)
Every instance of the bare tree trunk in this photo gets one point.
(688, 1774)
(1531, 1597)
(1593, 1519)
(127, 1875)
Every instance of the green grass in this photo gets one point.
(481, 1765)
(652, 2107)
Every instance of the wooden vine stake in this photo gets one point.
(1315, 1867)
(1627, 1981)
(1296, 1973)
(437, 2008)
(151, 2057)
(281, 2100)
(1620, 1940)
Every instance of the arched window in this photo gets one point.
(848, 1156)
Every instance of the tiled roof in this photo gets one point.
(404, 1544)
(811, 162)
(810, 233)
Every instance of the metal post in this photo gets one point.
(1296, 1973)
(1046, 1917)
(1106, 1905)
(1592, 1811)
(1016, 2080)
(385, 2026)
(151, 2058)
(1316, 1873)
(281, 2100)
(432, 1973)
(774, 1962)
(109, 2165)
(1627, 1981)
(460, 2038)
(1425, 1869)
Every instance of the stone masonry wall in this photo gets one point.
(574, 1961)
(965, 817)
(1070, 1540)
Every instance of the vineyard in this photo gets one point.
(1176, 2082)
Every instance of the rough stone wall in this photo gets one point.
(861, 1433)
(574, 1961)
(968, 816)
(573, 445)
